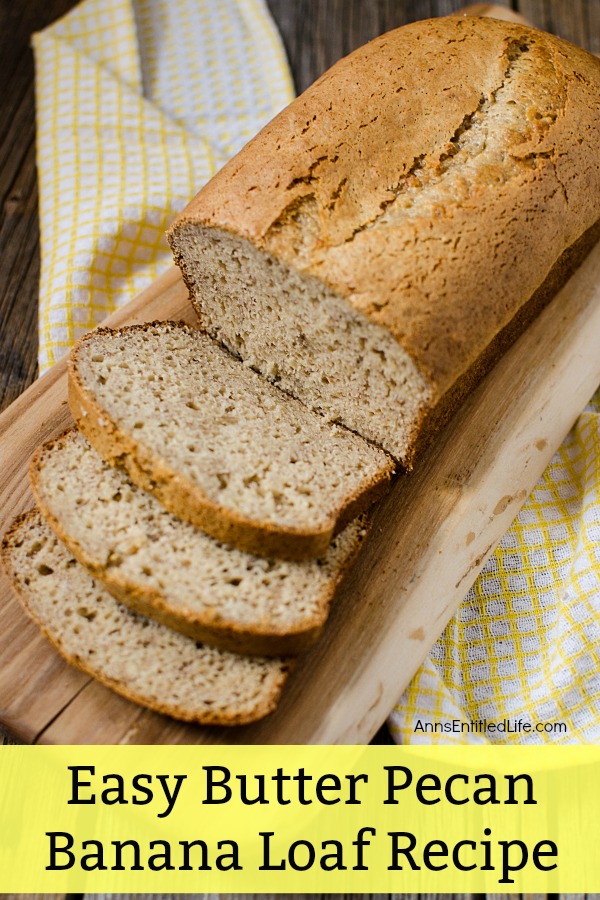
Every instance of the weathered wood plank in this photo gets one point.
(388, 615)
(309, 896)
(35, 896)
(592, 35)
(262, 896)
(568, 20)
(316, 33)
(19, 231)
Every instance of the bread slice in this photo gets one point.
(169, 570)
(135, 656)
(217, 444)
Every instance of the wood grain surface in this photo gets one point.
(430, 538)
(316, 33)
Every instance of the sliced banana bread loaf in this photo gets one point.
(135, 656)
(171, 571)
(217, 444)
(377, 245)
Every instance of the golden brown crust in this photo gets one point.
(565, 266)
(209, 717)
(185, 499)
(386, 125)
(265, 639)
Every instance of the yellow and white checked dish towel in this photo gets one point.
(523, 651)
(139, 102)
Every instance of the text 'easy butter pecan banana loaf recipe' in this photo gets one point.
(376, 246)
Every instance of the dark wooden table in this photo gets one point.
(316, 33)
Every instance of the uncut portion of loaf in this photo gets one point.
(135, 656)
(217, 443)
(171, 571)
(374, 248)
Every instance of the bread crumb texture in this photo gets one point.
(364, 249)
(198, 427)
(171, 570)
(137, 657)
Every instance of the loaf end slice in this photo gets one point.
(219, 445)
(169, 570)
(135, 656)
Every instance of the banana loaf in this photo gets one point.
(377, 244)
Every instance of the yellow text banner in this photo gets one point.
(299, 819)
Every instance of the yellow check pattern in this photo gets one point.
(525, 643)
(138, 104)
(141, 101)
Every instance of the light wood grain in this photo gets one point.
(34, 684)
(431, 537)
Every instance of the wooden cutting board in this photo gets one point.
(430, 539)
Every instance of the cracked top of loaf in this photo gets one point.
(432, 178)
